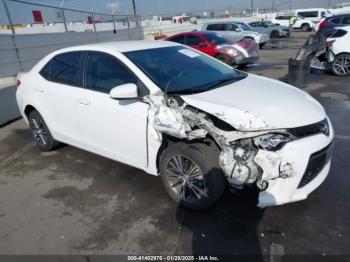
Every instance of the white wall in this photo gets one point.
(21, 52)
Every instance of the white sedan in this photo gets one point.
(338, 53)
(175, 112)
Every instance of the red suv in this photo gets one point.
(243, 52)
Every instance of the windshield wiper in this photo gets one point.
(213, 85)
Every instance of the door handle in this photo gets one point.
(39, 89)
(83, 101)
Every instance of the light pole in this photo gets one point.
(135, 14)
(251, 7)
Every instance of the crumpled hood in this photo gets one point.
(259, 103)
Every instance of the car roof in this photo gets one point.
(336, 16)
(221, 22)
(310, 9)
(122, 46)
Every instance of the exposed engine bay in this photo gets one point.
(244, 155)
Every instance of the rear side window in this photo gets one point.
(104, 72)
(308, 14)
(216, 27)
(178, 39)
(64, 69)
(338, 33)
(346, 20)
(335, 21)
(193, 40)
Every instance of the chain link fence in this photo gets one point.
(21, 17)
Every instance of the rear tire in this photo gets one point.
(41, 132)
(191, 175)
(305, 28)
(262, 45)
(341, 65)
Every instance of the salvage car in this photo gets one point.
(270, 29)
(236, 31)
(338, 51)
(175, 112)
(242, 53)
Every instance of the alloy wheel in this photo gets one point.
(185, 178)
(341, 65)
(38, 130)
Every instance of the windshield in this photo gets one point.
(245, 27)
(216, 39)
(178, 69)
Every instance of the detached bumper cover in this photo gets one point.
(296, 170)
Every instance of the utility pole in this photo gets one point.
(251, 7)
(135, 13)
(273, 6)
(134, 7)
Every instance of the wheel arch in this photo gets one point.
(168, 140)
(27, 110)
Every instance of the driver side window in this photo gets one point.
(232, 27)
(103, 72)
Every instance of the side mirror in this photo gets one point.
(125, 91)
(238, 30)
(203, 44)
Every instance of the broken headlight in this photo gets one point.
(272, 142)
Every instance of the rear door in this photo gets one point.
(113, 128)
(57, 93)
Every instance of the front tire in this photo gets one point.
(341, 65)
(275, 34)
(40, 132)
(191, 175)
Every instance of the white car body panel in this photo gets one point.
(341, 44)
(130, 131)
(235, 104)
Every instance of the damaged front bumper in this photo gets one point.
(286, 171)
(296, 170)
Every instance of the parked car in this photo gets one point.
(302, 24)
(338, 51)
(244, 52)
(270, 29)
(313, 14)
(175, 112)
(329, 23)
(236, 31)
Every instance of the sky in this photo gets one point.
(145, 7)
(22, 13)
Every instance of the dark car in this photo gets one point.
(328, 23)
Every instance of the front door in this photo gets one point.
(113, 128)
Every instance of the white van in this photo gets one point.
(312, 14)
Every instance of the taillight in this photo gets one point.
(329, 43)
(18, 83)
(323, 23)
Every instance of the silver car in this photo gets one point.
(236, 31)
(271, 29)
